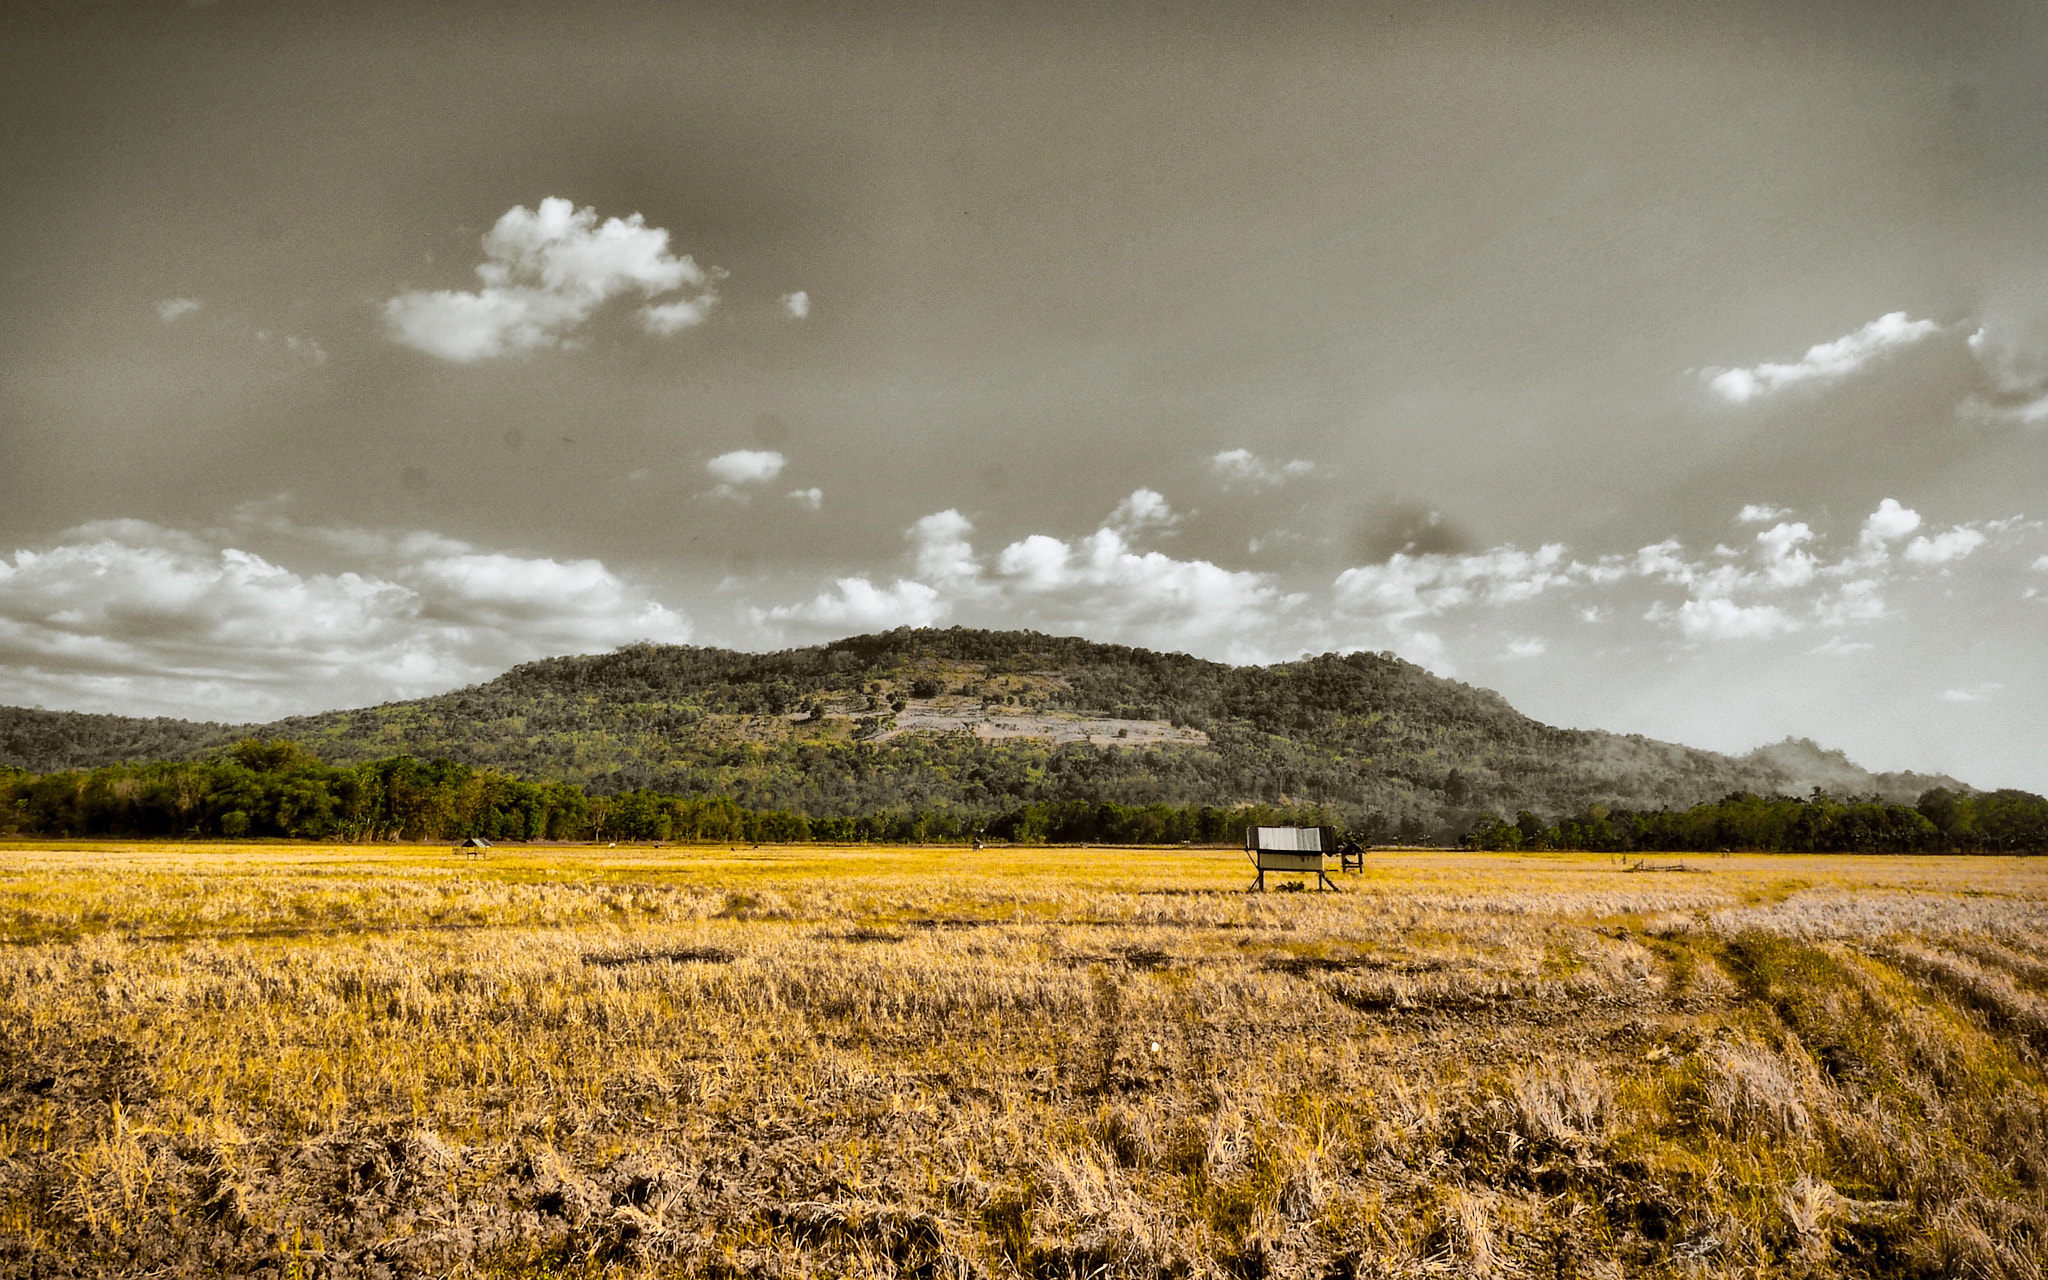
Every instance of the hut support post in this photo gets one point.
(1322, 877)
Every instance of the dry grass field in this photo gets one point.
(327, 1060)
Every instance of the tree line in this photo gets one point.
(277, 789)
(1943, 821)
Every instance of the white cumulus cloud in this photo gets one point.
(941, 551)
(1147, 596)
(545, 272)
(1858, 601)
(1784, 563)
(1945, 547)
(796, 305)
(1395, 598)
(1408, 586)
(746, 466)
(1430, 607)
(1143, 509)
(1097, 583)
(1242, 466)
(1719, 618)
(813, 497)
(857, 604)
(133, 617)
(1812, 585)
(1824, 361)
(667, 319)
(172, 310)
(1888, 524)
(1662, 560)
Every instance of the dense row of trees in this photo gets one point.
(276, 788)
(1942, 821)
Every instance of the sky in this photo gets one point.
(1673, 369)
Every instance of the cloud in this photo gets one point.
(1788, 560)
(1242, 466)
(172, 310)
(256, 621)
(1408, 586)
(2033, 413)
(941, 552)
(797, 305)
(1785, 564)
(1719, 618)
(1825, 361)
(1143, 509)
(1789, 580)
(814, 497)
(132, 617)
(2011, 351)
(1945, 548)
(671, 318)
(1662, 559)
(1395, 598)
(545, 272)
(857, 604)
(1146, 596)
(1887, 524)
(1036, 563)
(746, 466)
(1757, 513)
(1857, 601)
(1097, 583)
(2041, 565)
(1973, 693)
(2011, 348)
(305, 348)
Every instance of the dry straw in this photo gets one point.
(325, 1062)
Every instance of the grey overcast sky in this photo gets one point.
(1672, 368)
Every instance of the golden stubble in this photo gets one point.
(382, 1060)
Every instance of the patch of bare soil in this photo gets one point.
(999, 723)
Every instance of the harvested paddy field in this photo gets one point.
(377, 1061)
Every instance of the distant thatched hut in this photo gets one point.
(475, 846)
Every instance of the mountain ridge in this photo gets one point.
(965, 718)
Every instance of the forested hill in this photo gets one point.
(41, 741)
(984, 720)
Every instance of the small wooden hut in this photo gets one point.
(1289, 851)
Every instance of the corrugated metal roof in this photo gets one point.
(1289, 839)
